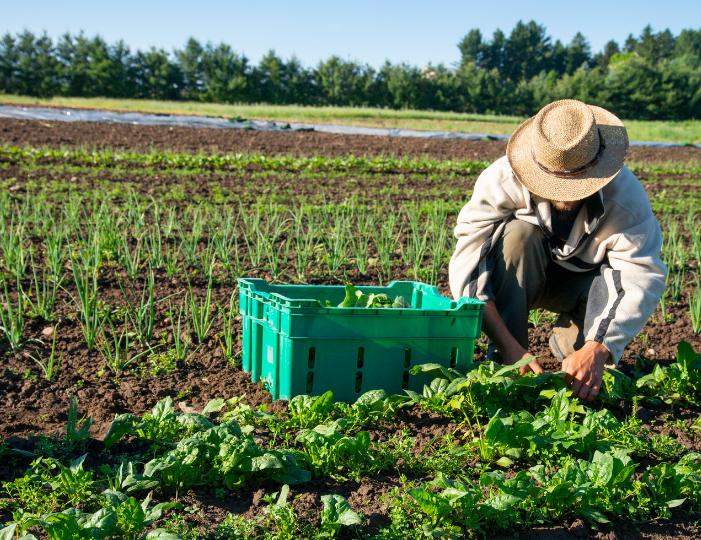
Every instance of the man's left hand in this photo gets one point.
(584, 369)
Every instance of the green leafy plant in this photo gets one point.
(335, 515)
(77, 429)
(680, 382)
(355, 298)
(332, 453)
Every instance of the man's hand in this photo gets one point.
(584, 369)
(520, 354)
(533, 366)
(511, 350)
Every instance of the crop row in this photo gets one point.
(63, 259)
(571, 460)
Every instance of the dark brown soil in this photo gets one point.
(124, 136)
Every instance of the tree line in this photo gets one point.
(656, 75)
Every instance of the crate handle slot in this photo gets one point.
(311, 359)
(361, 357)
(405, 380)
(310, 382)
(407, 358)
(358, 381)
(453, 357)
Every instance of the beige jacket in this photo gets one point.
(616, 233)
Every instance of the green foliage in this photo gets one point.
(160, 426)
(483, 390)
(49, 485)
(198, 452)
(654, 76)
(331, 453)
(680, 382)
(598, 490)
(355, 298)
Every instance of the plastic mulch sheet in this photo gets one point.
(136, 118)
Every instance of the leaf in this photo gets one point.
(194, 422)
(370, 398)
(265, 462)
(77, 464)
(282, 498)
(437, 370)
(292, 473)
(161, 534)
(602, 468)
(538, 473)
(163, 410)
(400, 303)
(560, 406)
(378, 301)
(415, 397)
(213, 405)
(8, 532)
(687, 357)
(121, 425)
(104, 519)
(595, 515)
(436, 388)
(323, 403)
(155, 512)
(331, 428)
(337, 511)
(502, 502)
(675, 502)
(514, 367)
(350, 298)
(504, 462)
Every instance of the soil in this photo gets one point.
(33, 407)
(209, 140)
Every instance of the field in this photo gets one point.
(125, 412)
(680, 132)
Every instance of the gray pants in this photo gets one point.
(525, 277)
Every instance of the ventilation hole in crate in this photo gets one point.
(453, 357)
(310, 382)
(407, 358)
(405, 380)
(312, 358)
(358, 381)
(361, 357)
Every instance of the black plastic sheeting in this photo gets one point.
(145, 119)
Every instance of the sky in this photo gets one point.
(413, 31)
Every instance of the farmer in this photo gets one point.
(560, 223)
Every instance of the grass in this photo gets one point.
(682, 132)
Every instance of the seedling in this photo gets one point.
(51, 365)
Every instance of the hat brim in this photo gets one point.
(570, 187)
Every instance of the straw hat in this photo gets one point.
(568, 151)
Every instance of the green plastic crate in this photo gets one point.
(298, 346)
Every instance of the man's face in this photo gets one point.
(565, 206)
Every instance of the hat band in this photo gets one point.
(566, 173)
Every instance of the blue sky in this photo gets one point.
(413, 31)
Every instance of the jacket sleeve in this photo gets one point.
(481, 221)
(628, 288)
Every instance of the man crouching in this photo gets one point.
(560, 223)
